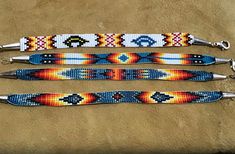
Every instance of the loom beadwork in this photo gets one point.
(36, 43)
(112, 74)
(122, 58)
(114, 97)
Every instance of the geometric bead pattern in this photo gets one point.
(109, 40)
(40, 43)
(177, 39)
(113, 97)
(122, 58)
(112, 74)
(36, 43)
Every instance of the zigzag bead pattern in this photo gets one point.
(36, 43)
(122, 58)
(114, 97)
(112, 74)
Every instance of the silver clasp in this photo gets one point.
(3, 99)
(24, 59)
(232, 65)
(228, 95)
(8, 75)
(13, 46)
(223, 45)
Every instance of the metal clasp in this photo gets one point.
(232, 65)
(228, 95)
(223, 45)
(8, 75)
(13, 46)
(22, 59)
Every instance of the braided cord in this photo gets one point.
(112, 74)
(114, 97)
(36, 43)
(122, 58)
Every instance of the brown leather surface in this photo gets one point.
(124, 127)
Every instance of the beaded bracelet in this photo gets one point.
(114, 97)
(120, 58)
(110, 74)
(175, 39)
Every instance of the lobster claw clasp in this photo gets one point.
(223, 45)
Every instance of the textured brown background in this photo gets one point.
(123, 127)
